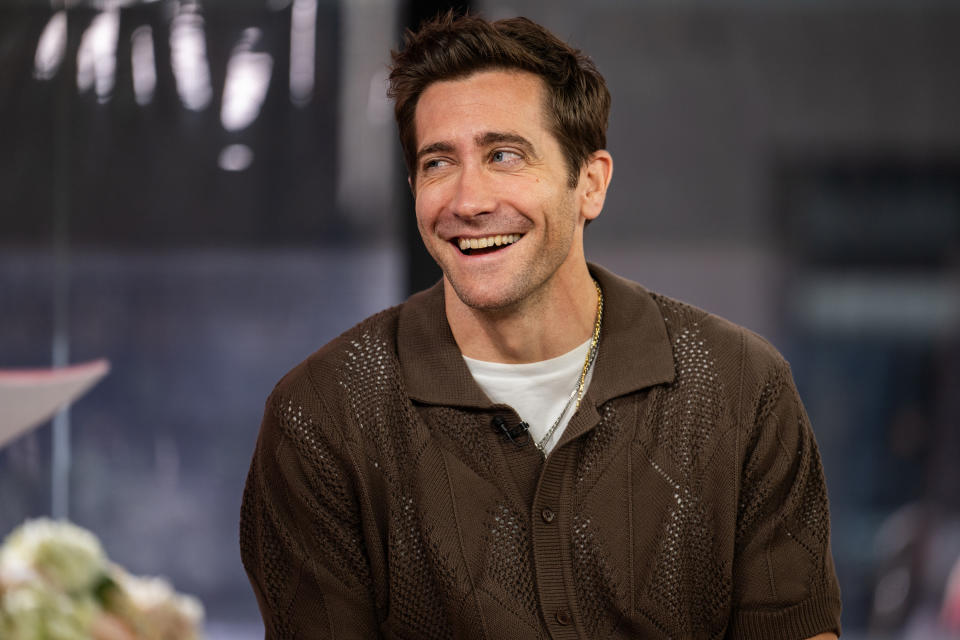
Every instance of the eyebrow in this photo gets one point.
(497, 137)
(436, 147)
(487, 139)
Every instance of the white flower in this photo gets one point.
(64, 555)
(57, 584)
(156, 610)
(36, 612)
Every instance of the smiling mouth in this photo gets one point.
(489, 244)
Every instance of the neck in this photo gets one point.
(555, 319)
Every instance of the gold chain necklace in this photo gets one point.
(578, 391)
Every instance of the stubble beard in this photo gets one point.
(506, 302)
(525, 288)
(530, 282)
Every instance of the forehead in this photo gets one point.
(496, 100)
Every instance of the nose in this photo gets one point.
(473, 192)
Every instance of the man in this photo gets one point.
(533, 448)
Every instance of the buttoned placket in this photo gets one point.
(552, 533)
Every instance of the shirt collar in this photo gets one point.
(635, 350)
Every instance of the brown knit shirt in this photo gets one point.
(685, 499)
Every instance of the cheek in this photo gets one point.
(423, 225)
(422, 206)
(427, 203)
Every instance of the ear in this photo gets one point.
(410, 184)
(595, 177)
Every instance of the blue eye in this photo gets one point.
(505, 156)
(433, 163)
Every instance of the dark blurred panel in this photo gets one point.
(873, 211)
(148, 175)
(27, 130)
(871, 308)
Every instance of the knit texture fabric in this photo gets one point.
(685, 499)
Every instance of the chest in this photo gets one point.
(625, 530)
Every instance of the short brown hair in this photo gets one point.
(450, 47)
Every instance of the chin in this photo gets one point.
(482, 299)
(481, 302)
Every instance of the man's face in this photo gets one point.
(489, 172)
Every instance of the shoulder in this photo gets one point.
(654, 338)
(313, 386)
(730, 345)
(736, 369)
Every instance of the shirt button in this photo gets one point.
(563, 617)
(548, 515)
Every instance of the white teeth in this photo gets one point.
(490, 241)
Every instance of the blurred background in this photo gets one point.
(206, 192)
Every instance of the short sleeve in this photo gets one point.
(785, 586)
(300, 535)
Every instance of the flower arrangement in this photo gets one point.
(56, 583)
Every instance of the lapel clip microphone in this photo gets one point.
(517, 435)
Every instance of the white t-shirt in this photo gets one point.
(538, 391)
